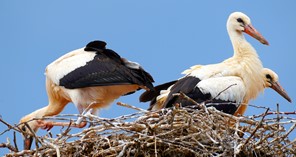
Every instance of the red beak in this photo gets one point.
(249, 29)
(28, 142)
(279, 89)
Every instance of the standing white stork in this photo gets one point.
(91, 77)
(224, 93)
(244, 64)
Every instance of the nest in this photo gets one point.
(170, 132)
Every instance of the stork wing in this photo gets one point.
(104, 70)
(185, 85)
(224, 93)
(101, 71)
(227, 88)
(227, 93)
(150, 95)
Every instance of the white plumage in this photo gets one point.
(230, 88)
(67, 63)
(243, 68)
(92, 78)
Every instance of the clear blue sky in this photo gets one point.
(165, 37)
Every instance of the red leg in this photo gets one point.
(47, 125)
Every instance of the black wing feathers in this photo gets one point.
(141, 77)
(95, 46)
(187, 85)
(99, 72)
(224, 106)
(184, 85)
(150, 95)
(107, 68)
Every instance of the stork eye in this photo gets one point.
(24, 128)
(268, 76)
(240, 20)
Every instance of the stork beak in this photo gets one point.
(249, 29)
(28, 142)
(279, 89)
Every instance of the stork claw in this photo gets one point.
(86, 112)
(46, 125)
(80, 125)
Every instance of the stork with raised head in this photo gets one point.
(92, 78)
(244, 64)
(224, 93)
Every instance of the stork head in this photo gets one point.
(271, 80)
(27, 132)
(239, 22)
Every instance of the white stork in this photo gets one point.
(91, 77)
(271, 80)
(244, 65)
(219, 92)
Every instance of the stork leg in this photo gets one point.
(241, 109)
(47, 125)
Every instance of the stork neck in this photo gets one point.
(249, 64)
(241, 47)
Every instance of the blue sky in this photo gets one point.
(165, 37)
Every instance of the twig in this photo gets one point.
(9, 146)
(22, 153)
(256, 106)
(285, 135)
(8, 125)
(130, 106)
(5, 123)
(240, 119)
(199, 105)
(277, 113)
(222, 91)
(34, 135)
(55, 147)
(184, 96)
(278, 119)
(292, 142)
(14, 141)
(257, 127)
(289, 131)
(123, 151)
(155, 145)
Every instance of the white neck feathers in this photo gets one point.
(249, 61)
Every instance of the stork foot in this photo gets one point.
(80, 125)
(46, 125)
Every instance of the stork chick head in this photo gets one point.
(271, 80)
(239, 22)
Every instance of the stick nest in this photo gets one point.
(170, 132)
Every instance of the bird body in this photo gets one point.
(227, 94)
(228, 90)
(243, 68)
(91, 75)
(102, 91)
(244, 63)
(92, 78)
(247, 68)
